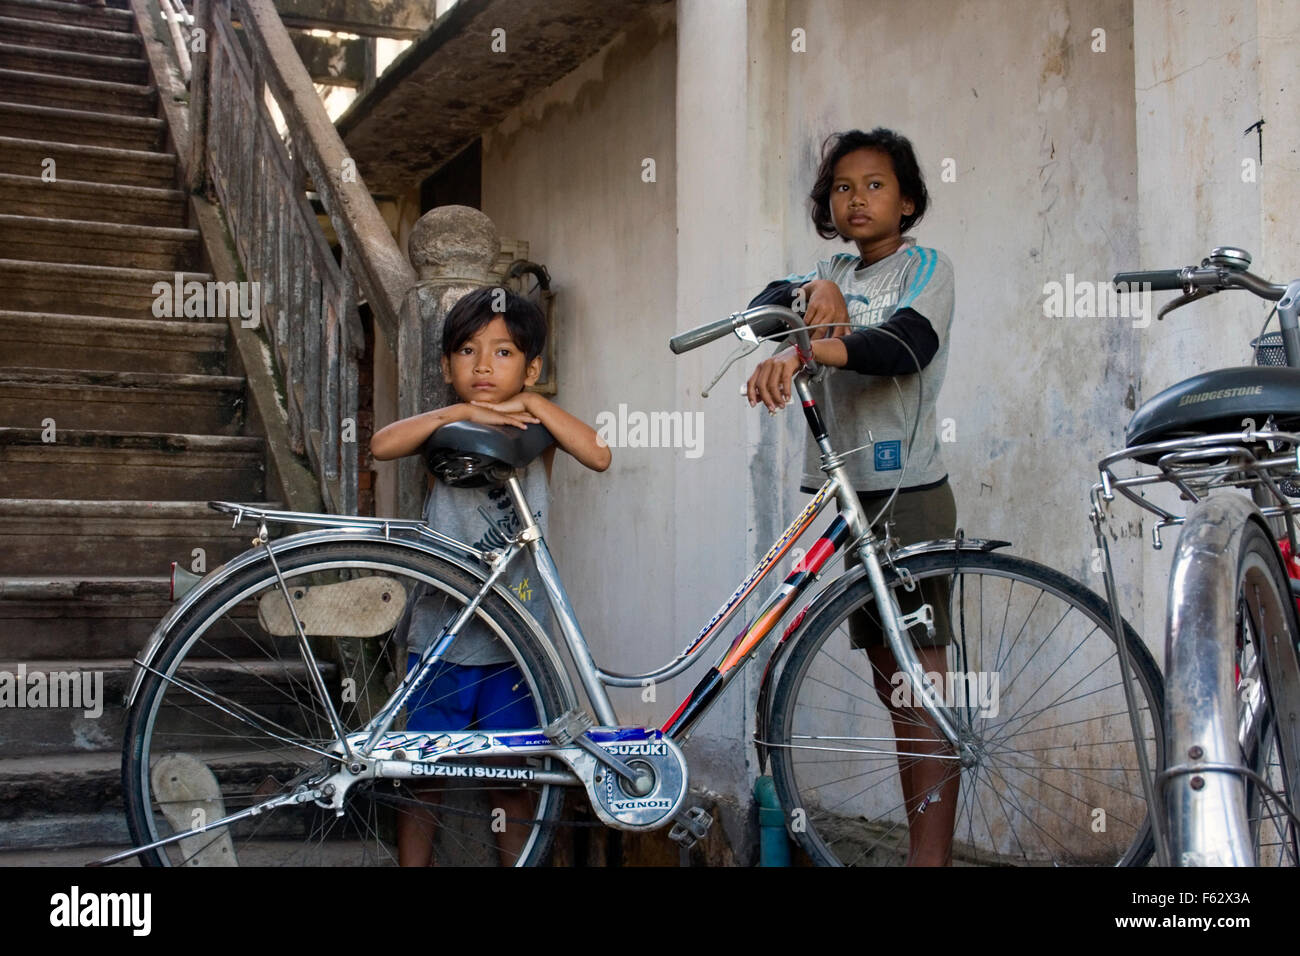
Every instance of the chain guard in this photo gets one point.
(627, 811)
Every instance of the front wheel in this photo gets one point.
(1032, 678)
(229, 718)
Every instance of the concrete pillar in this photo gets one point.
(730, 79)
(453, 250)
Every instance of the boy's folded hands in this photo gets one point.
(513, 411)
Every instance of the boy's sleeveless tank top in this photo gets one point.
(484, 518)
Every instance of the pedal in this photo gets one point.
(690, 827)
(569, 726)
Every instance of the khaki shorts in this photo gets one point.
(917, 516)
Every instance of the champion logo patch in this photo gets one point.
(889, 455)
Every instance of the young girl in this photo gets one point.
(869, 191)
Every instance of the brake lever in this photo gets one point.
(751, 343)
(1182, 300)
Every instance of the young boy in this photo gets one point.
(488, 357)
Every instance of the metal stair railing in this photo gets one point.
(241, 53)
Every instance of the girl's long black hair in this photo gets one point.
(899, 150)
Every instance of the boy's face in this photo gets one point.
(866, 203)
(489, 367)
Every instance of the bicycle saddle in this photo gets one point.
(470, 455)
(1218, 401)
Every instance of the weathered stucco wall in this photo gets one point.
(1204, 74)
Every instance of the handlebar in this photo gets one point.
(752, 324)
(702, 335)
(1224, 268)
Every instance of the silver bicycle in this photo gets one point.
(267, 711)
(1227, 795)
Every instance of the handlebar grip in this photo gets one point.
(1160, 280)
(703, 335)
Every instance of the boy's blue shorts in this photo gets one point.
(468, 697)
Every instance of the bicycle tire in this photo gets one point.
(1273, 831)
(1224, 816)
(224, 650)
(1070, 754)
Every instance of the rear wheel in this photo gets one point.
(1033, 681)
(230, 719)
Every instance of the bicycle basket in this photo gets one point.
(1268, 349)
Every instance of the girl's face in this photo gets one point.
(866, 203)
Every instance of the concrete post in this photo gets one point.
(717, 176)
(453, 250)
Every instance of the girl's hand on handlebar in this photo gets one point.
(826, 307)
(771, 382)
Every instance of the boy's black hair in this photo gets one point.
(524, 320)
(898, 148)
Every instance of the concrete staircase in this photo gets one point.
(115, 426)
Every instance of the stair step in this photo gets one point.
(98, 164)
(92, 66)
(69, 14)
(75, 92)
(97, 243)
(79, 617)
(99, 202)
(46, 340)
(65, 840)
(80, 704)
(81, 805)
(83, 290)
(79, 537)
(61, 800)
(117, 465)
(101, 617)
(138, 401)
(80, 127)
(61, 36)
(81, 709)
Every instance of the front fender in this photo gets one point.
(220, 575)
(848, 579)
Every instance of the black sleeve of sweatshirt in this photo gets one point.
(779, 292)
(874, 353)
